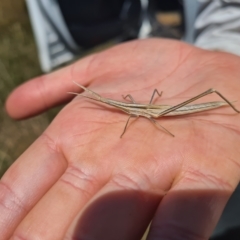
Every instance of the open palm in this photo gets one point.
(80, 180)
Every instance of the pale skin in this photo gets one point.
(79, 180)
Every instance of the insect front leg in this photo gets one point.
(225, 99)
(129, 96)
(154, 92)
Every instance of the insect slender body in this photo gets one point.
(156, 110)
(151, 111)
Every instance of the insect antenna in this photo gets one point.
(97, 96)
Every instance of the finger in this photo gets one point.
(192, 208)
(116, 212)
(44, 92)
(27, 180)
(58, 207)
(189, 214)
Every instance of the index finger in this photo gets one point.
(44, 92)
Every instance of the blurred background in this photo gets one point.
(18, 62)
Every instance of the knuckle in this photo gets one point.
(42, 90)
(19, 237)
(130, 181)
(79, 180)
(9, 200)
(50, 143)
(206, 179)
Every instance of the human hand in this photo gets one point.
(79, 180)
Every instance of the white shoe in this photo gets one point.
(217, 26)
(213, 24)
(55, 44)
(58, 43)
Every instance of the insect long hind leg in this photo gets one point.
(225, 99)
(154, 92)
(158, 125)
(124, 130)
(209, 91)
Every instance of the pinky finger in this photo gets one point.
(188, 214)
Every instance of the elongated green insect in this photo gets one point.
(151, 111)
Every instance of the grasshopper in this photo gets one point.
(152, 111)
